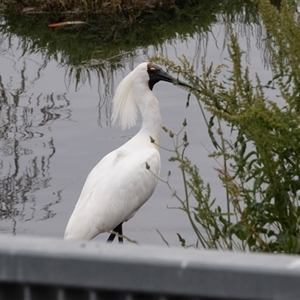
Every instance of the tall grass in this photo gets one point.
(260, 162)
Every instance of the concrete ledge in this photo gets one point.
(136, 269)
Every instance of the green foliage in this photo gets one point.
(260, 161)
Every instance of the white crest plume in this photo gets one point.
(125, 106)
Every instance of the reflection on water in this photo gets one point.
(41, 168)
(26, 143)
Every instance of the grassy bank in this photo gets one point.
(98, 7)
(126, 11)
(110, 19)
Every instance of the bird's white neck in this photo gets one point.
(133, 94)
(149, 109)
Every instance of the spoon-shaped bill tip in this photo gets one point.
(181, 83)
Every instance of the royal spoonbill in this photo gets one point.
(125, 178)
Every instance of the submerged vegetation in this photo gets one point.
(258, 158)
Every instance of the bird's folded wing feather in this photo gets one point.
(114, 190)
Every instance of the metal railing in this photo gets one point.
(40, 268)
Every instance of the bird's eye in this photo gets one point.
(152, 69)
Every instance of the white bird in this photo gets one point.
(122, 182)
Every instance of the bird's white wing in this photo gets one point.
(114, 190)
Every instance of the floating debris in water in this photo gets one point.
(66, 23)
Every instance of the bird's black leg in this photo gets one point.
(112, 236)
(120, 232)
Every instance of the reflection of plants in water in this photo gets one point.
(24, 135)
(77, 44)
(103, 72)
(90, 51)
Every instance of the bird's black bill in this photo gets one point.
(119, 231)
(179, 82)
(156, 74)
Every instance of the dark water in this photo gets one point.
(55, 126)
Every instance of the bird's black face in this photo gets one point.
(156, 74)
